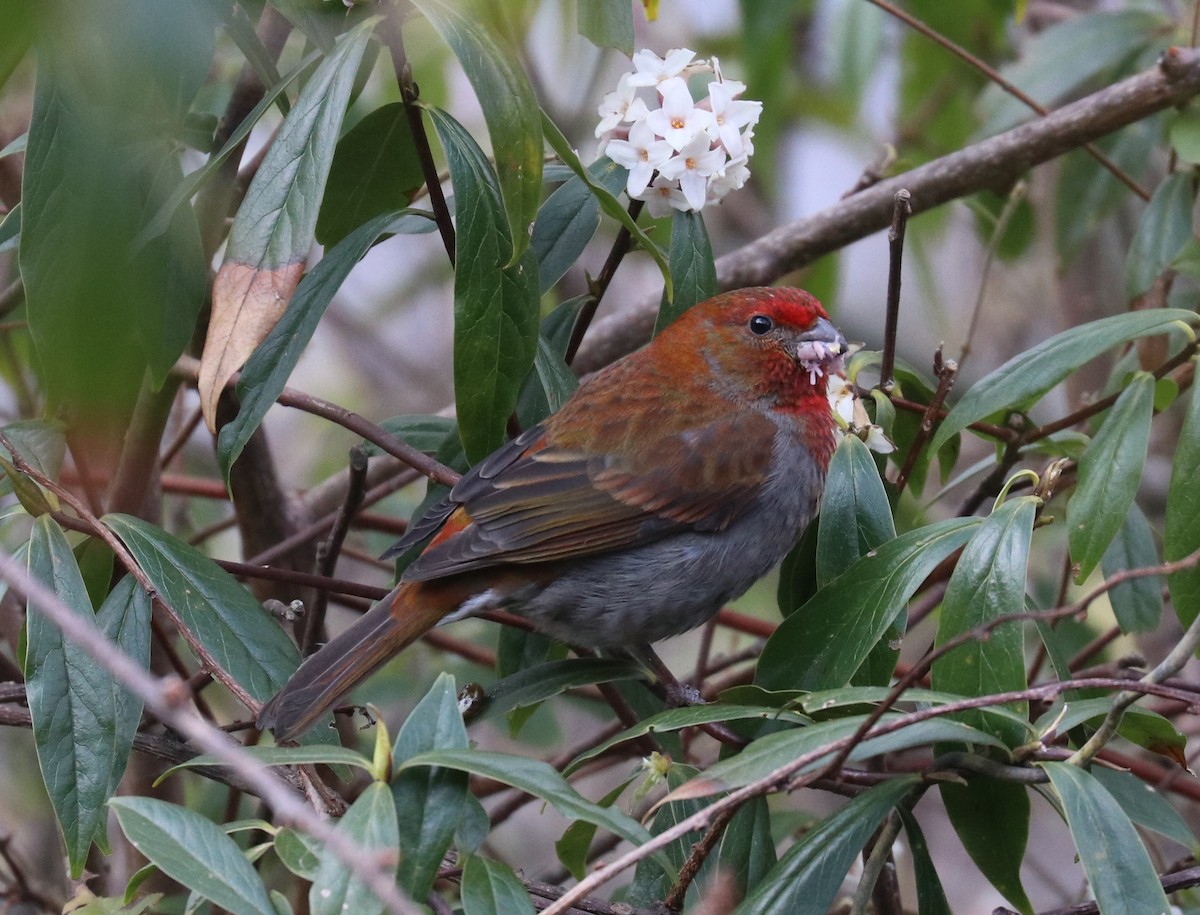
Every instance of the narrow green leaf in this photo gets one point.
(767, 754)
(1181, 537)
(124, 619)
(375, 170)
(568, 220)
(822, 644)
(72, 701)
(691, 716)
(511, 112)
(537, 778)
(931, 897)
(1109, 474)
(651, 881)
(552, 381)
(268, 369)
(809, 874)
(194, 851)
(283, 756)
(1026, 377)
(856, 516)
(495, 306)
(275, 225)
(608, 202)
(989, 582)
(1165, 226)
(489, 886)
(422, 431)
(1118, 868)
(538, 683)
(370, 822)
(693, 271)
(992, 822)
(607, 24)
(1138, 603)
(747, 851)
(225, 618)
(1144, 805)
(430, 802)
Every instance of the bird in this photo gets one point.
(665, 486)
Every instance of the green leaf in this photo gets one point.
(692, 716)
(572, 848)
(767, 754)
(422, 431)
(989, 582)
(1181, 536)
(569, 218)
(124, 619)
(1144, 805)
(693, 271)
(992, 822)
(72, 701)
(651, 881)
(1165, 227)
(1118, 868)
(855, 45)
(370, 822)
(1026, 377)
(299, 853)
(1109, 474)
(607, 24)
(856, 516)
(608, 203)
(512, 115)
(489, 886)
(538, 683)
(283, 756)
(10, 229)
(275, 225)
(430, 802)
(809, 875)
(1184, 134)
(823, 643)
(375, 170)
(268, 369)
(194, 851)
(1095, 44)
(747, 851)
(931, 897)
(222, 615)
(547, 388)
(1138, 603)
(495, 306)
(534, 777)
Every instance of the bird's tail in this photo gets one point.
(391, 625)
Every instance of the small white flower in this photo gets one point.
(650, 69)
(851, 415)
(663, 196)
(620, 105)
(730, 177)
(841, 398)
(678, 120)
(730, 116)
(692, 166)
(642, 154)
(877, 441)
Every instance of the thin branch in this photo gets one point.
(996, 161)
(1171, 883)
(164, 696)
(695, 860)
(945, 370)
(994, 75)
(901, 210)
(409, 94)
(877, 860)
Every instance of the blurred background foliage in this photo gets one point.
(122, 169)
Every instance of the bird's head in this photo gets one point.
(767, 343)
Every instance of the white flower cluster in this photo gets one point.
(680, 154)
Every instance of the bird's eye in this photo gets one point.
(761, 324)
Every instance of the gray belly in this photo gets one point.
(641, 595)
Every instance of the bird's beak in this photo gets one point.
(820, 349)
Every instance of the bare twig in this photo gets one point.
(696, 858)
(945, 370)
(901, 209)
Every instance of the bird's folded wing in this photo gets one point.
(535, 501)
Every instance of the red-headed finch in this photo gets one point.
(665, 486)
